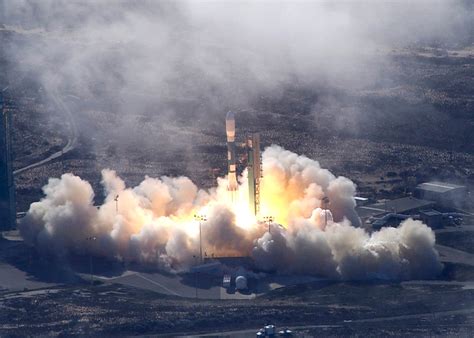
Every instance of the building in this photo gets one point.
(7, 184)
(432, 218)
(404, 205)
(444, 194)
(394, 210)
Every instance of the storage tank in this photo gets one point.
(241, 283)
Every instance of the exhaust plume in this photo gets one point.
(153, 223)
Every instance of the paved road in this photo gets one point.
(13, 279)
(455, 229)
(448, 254)
(72, 140)
(465, 285)
(168, 284)
(184, 285)
(252, 332)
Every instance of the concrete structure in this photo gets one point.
(7, 184)
(232, 167)
(444, 194)
(254, 171)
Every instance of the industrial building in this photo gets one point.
(7, 184)
(405, 205)
(393, 212)
(444, 194)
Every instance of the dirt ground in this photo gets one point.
(350, 307)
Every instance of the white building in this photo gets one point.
(444, 194)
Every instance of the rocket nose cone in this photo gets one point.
(230, 116)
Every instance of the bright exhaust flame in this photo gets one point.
(155, 224)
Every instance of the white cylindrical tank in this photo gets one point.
(241, 283)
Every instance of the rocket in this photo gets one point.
(230, 131)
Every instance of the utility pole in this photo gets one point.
(269, 221)
(200, 219)
(116, 203)
(326, 202)
(195, 278)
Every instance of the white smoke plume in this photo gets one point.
(154, 223)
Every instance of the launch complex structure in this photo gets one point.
(254, 164)
(7, 183)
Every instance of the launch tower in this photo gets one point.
(254, 164)
(254, 168)
(7, 184)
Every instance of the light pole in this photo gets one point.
(195, 278)
(116, 203)
(269, 221)
(92, 238)
(200, 219)
(326, 202)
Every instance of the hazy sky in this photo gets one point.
(230, 48)
(138, 56)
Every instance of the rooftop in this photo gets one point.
(440, 187)
(399, 205)
(430, 213)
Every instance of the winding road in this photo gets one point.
(72, 139)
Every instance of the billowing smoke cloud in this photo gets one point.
(341, 250)
(135, 57)
(153, 223)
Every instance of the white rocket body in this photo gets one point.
(230, 131)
